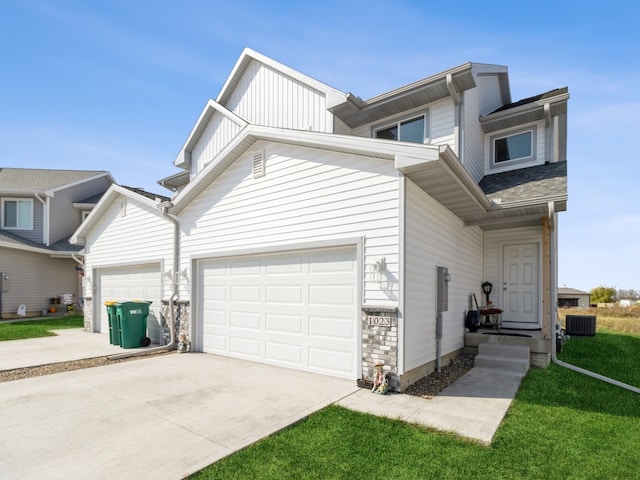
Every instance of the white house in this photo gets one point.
(307, 225)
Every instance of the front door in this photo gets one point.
(520, 286)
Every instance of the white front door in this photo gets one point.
(521, 286)
(295, 309)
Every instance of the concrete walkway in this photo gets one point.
(68, 344)
(473, 407)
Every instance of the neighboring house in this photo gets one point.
(570, 297)
(310, 224)
(39, 210)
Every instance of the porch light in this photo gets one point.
(486, 288)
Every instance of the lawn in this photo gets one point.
(38, 328)
(562, 425)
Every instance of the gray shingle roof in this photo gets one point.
(60, 246)
(144, 193)
(530, 183)
(535, 98)
(29, 180)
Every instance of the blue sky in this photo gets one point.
(117, 85)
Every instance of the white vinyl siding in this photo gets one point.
(443, 123)
(139, 237)
(307, 195)
(435, 237)
(267, 97)
(217, 134)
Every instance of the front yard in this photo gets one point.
(38, 328)
(561, 425)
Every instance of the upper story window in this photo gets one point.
(411, 130)
(518, 146)
(17, 214)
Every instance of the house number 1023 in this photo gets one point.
(379, 321)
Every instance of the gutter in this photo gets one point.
(164, 208)
(553, 314)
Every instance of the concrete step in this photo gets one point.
(504, 350)
(504, 359)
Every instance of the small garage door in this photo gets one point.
(297, 309)
(131, 283)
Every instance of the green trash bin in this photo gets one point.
(132, 317)
(114, 325)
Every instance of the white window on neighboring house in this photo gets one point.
(413, 129)
(515, 147)
(17, 213)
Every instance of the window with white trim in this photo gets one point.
(17, 213)
(413, 129)
(514, 147)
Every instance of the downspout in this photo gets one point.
(164, 208)
(45, 218)
(553, 313)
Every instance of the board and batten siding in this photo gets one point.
(34, 278)
(493, 242)
(435, 237)
(217, 134)
(307, 195)
(267, 97)
(140, 236)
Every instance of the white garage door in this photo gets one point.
(297, 309)
(131, 283)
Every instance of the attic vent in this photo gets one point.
(123, 207)
(258, 163)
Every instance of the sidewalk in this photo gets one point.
(473, 407)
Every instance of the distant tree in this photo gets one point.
(628, 295)
(603, 294)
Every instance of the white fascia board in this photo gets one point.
(384, 149)
(462, 177)
(110, 196)
(510, 112)
(333, 96)
(183, 159)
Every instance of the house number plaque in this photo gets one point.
(379, 321)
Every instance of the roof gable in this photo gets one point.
(333, 96)
(183, 160)
(148, 199)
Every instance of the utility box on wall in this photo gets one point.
(442, 289)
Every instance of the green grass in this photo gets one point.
(562, 425)
(38, 328)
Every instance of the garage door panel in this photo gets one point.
(327, 361)
(245, 294)
(284, 353)
(281, 323)
(288, 309)
(289, 294)
(331, 327)
(245, 320)
(245, 347)
(331, 295)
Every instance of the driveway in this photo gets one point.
(162, 418)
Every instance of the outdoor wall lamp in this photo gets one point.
(486, 288)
